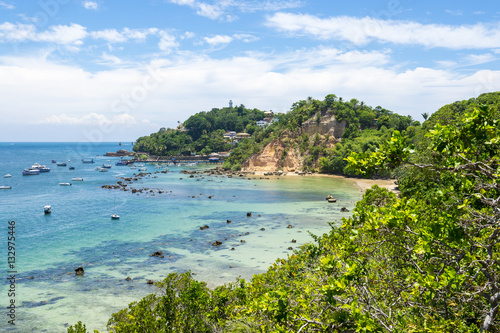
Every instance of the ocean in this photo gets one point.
(38, 269)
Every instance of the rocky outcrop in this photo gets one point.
(327, 126)
(273, 158)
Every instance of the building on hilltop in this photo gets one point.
(230, 103)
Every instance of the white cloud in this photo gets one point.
(109, 35)
(364, 30)
(247, 38)
(219, 9)
(52, 94)
(63, 34)
(91, 5)
(90, 119)
(167, 41)
(476, 59)
(225, 39)
(59, 34)
(218, 39)
(5, 5)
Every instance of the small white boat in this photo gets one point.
(143, 169)
(78, 179)
(5, 187)
(65, 184)
(115, 217)
(103, 170)
(7, 175)
(47, 209)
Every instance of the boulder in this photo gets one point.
(79, 271)
(158, 254)
(344, 210)
(216, 243)
(204, 227)
(249, 214)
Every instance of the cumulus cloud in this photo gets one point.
(167, 41)
(59, 34)
(218, 39)
(361, 31)
(91, 5)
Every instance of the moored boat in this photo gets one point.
(7, 175)
(107, 166)
(65, 184)
(78, 179)
(5, 187)
(47, 209)
(101, 169)
(115, 217)
(121, 163)
(88, 160)
(40, 167)
(61, 164)
(71, 167)
(27, 172)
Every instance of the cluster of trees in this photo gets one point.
(204, 135)
(426, 261)
(366, 128)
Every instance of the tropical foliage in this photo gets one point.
(204, 132)
(428, 262)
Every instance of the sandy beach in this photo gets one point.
(362, 183)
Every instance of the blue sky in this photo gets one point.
(102, 70)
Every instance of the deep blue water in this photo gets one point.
(80, 232)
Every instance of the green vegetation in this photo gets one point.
(365, 129)
(426, 261)
(205, 132)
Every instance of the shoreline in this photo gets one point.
(362, 183)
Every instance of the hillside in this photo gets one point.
(316, 136)
(427, 261)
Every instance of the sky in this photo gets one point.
(109, 70)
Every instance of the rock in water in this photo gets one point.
(79, 271)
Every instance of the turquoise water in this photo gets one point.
(80, 232)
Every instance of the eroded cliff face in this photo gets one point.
(274, 157)
(283, 154)
(328, 125)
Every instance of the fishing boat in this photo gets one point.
(54, 161)
(64, 184)
(77, 179)
(101, 169)
(121, 163)
(88, 160)
(107, 166)
(27, 172)
(61, 164)
(71, 167)
(47, 209)
(143, 169)
(7, 175)
(5, 187)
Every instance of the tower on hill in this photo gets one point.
(230, 103)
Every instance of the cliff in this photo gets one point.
(298, 150)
